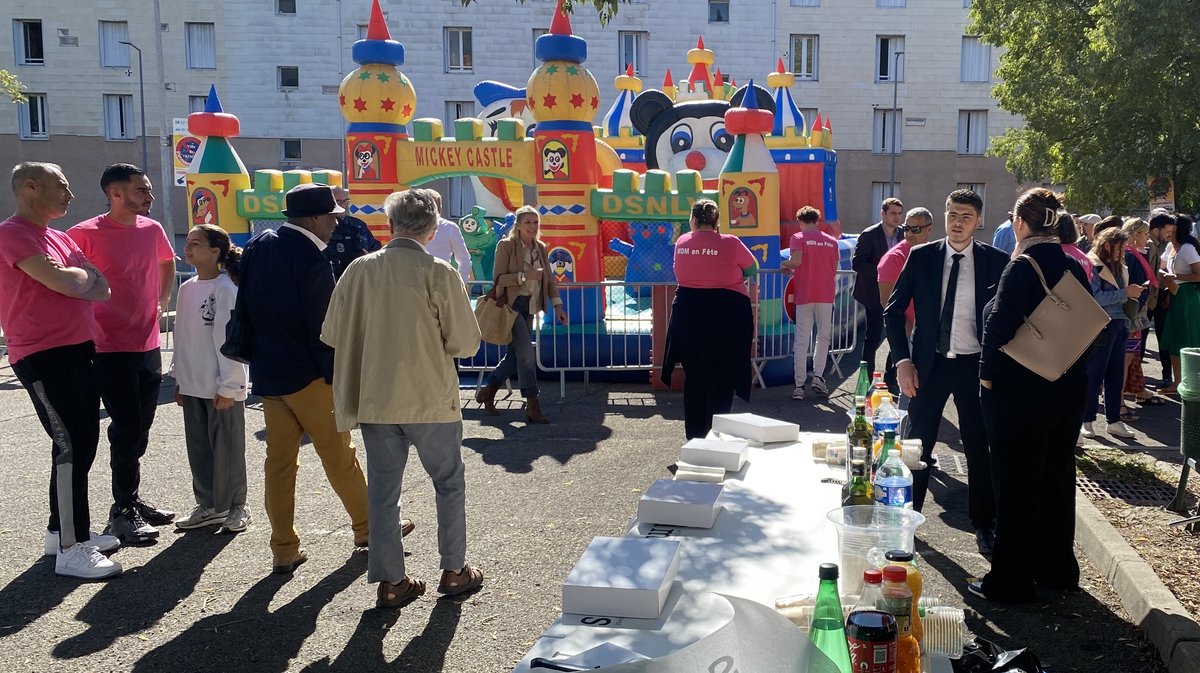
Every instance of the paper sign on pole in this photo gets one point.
(184, 146)
(1162, 193)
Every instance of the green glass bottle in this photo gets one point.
(857, 491)
(862, 387)
(831, 653)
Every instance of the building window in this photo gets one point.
(32, 117)
(891, 3)
(972, 131)
(886, 48)
(285, 6)
(718, 11)
(196, 103)
(113, 54)
(289, 150)
(804, 56)
(633, 51)
(980, 189)
(806, 3)
(362, 31)
(289, 77)
(460, 54)
(810, 116)
(976, 59)
(201, 41)
(881, 191)
(537, 32)
(118, 117)
(27, 41)
(887, 123)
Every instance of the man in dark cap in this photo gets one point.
(284, 291)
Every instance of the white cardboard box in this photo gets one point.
(680, 503)
(714, 453)
(756, 428)
(622, 577)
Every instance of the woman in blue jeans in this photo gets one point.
(525, 283)
(1106, 362)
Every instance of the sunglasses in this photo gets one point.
(908, 228)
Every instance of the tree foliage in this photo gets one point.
(1109, 91)
(606, 9)
(10, 86)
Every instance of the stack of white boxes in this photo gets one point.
(756, 428)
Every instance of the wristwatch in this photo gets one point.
(521, 276)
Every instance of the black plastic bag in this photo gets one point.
(984, 656)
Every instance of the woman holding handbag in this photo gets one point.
(525, 284)
(1032, 422)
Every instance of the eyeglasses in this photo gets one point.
(342, 202)
(910, 229)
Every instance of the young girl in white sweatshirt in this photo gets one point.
(210, 387)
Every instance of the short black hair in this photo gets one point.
(1160, 217)
(967, 197)
(118, 173)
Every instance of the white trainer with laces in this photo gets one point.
(101, 542)
(1087, 431)
(85, 562)
(237, 521)
(1119, 429)
(199, 518)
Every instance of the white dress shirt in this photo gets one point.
(964, 338)
(307, 234)
(449, 240)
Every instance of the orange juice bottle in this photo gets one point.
(879, 392)
(906, 560)
(898, 600)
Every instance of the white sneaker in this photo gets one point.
(1119, 429)
(237, 521)
(101, 542)
(1087, 432)
(798, 393)
(819, 387)
(85, 562)
(199, 518)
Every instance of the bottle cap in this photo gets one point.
(899, 555)
(872, 576)
(895, 573)
(829, 571)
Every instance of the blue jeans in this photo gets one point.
(520, 359)
(1106, 366)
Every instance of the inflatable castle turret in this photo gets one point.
(377, 101)
(617, 129)
(216, 173)
(750, 182)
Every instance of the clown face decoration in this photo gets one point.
(554, 161)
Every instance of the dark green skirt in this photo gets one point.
(1182, 329)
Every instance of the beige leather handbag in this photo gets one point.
(1059, 330)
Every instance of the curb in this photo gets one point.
(1150, 604)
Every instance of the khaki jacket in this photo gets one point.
(510, 262)
(397, 319)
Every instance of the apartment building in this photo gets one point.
(277, 65)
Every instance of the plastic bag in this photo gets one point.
(984, 656)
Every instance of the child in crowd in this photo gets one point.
(814, 258)
(210, 387)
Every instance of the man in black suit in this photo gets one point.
(872, 243)
(949, 281)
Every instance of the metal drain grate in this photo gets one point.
(1129, 491)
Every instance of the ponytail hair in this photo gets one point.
(230, 256)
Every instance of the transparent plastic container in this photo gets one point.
(866, 533)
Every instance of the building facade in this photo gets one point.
(277, 65)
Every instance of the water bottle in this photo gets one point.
(893, 479)
(887, 416)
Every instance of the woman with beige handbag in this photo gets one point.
(1032, 421)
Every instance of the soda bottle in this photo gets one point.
(906, 560)
(898, 600)
(828, 632)
(862, 387)
(893, 480)
(870, 631)
(857, 491)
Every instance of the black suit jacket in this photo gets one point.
(871, 246)
(921, 283)
(286, 284)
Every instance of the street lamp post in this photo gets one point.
(895, 86)
(142, 98)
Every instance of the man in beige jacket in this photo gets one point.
(397, 320)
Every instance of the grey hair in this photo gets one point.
(31, 170)
(920, 212)
(412, 213)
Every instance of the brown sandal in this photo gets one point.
(400, 594)
(467, 579)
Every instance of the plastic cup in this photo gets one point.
(945, 631)
(865, 534)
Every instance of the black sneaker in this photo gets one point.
(153, 515)
(128, 525)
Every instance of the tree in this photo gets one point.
(607, 9)
(1109, 93)
(10, 86)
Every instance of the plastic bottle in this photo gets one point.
(828, 630)
(870, 631)
(906, 560)
(898, 600)
(862, 387)
(887, 416)
(879, 392)
(893, 480)
(876, 384)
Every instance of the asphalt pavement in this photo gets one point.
(198, 602)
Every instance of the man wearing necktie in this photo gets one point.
(949, 281)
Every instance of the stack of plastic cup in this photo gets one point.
(945, 631)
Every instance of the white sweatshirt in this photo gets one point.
(202, 310)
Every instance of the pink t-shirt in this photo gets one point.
(890, 266)
(128, 257)
(36, 318)
(1081, 256)
(816, 277)
(708, 260)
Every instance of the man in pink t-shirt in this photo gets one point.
(918, 225)
(814, 259)
(133, 253)
(47, 288)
